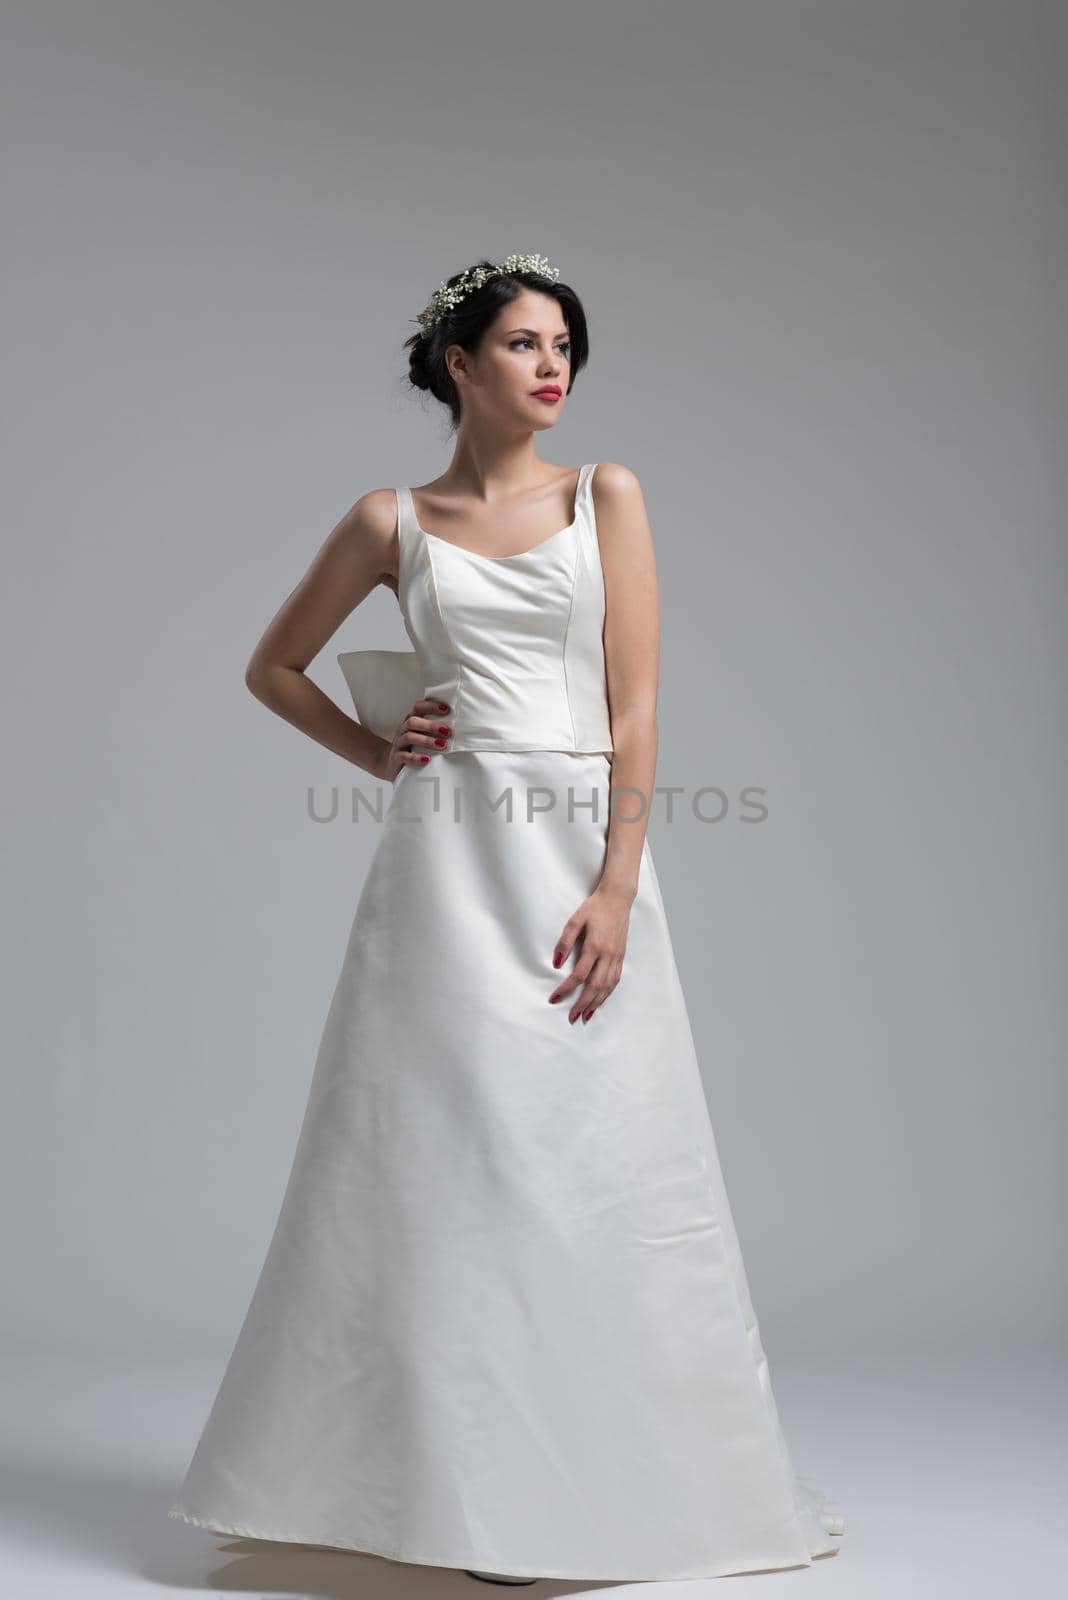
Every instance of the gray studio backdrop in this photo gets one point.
(819, 244)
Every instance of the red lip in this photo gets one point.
(551, 392)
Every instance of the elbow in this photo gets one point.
(267, 680)
(638, 717)
(257, 678)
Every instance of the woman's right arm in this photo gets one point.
(359, 554)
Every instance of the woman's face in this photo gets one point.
(526, 349)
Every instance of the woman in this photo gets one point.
(503, 1324)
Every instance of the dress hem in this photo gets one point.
(475, 1560)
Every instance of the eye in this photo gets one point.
(564, 347)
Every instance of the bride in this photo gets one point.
(503, 1323)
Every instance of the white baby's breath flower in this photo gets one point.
(445, 299)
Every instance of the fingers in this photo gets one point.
(599, 987)
(596, 974)
(572, 930)
(423, 732)
(566, 942)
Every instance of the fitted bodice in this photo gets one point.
(513, 643)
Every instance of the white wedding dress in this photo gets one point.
(503, 1322)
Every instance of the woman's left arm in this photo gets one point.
(632, 666)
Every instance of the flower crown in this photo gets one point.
(446, 297)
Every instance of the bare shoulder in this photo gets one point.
(375, 514)
(368, 530)
(616, 484)
(619, 507)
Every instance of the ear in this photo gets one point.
(456, 358)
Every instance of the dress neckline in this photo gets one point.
(517, 555)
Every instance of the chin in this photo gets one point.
(542, 417)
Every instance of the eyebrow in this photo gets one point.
(534, 332)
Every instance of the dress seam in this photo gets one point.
(461, 686)
(581, 518)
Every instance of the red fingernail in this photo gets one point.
(439, 741)
(442, 706)
(424, 758)
(557, 959)
(587, 1016)
(442, 730)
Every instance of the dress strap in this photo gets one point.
(407, 535)
(405, 514)
(584, 514)
(584, 491)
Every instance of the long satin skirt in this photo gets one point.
(503, 1321)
